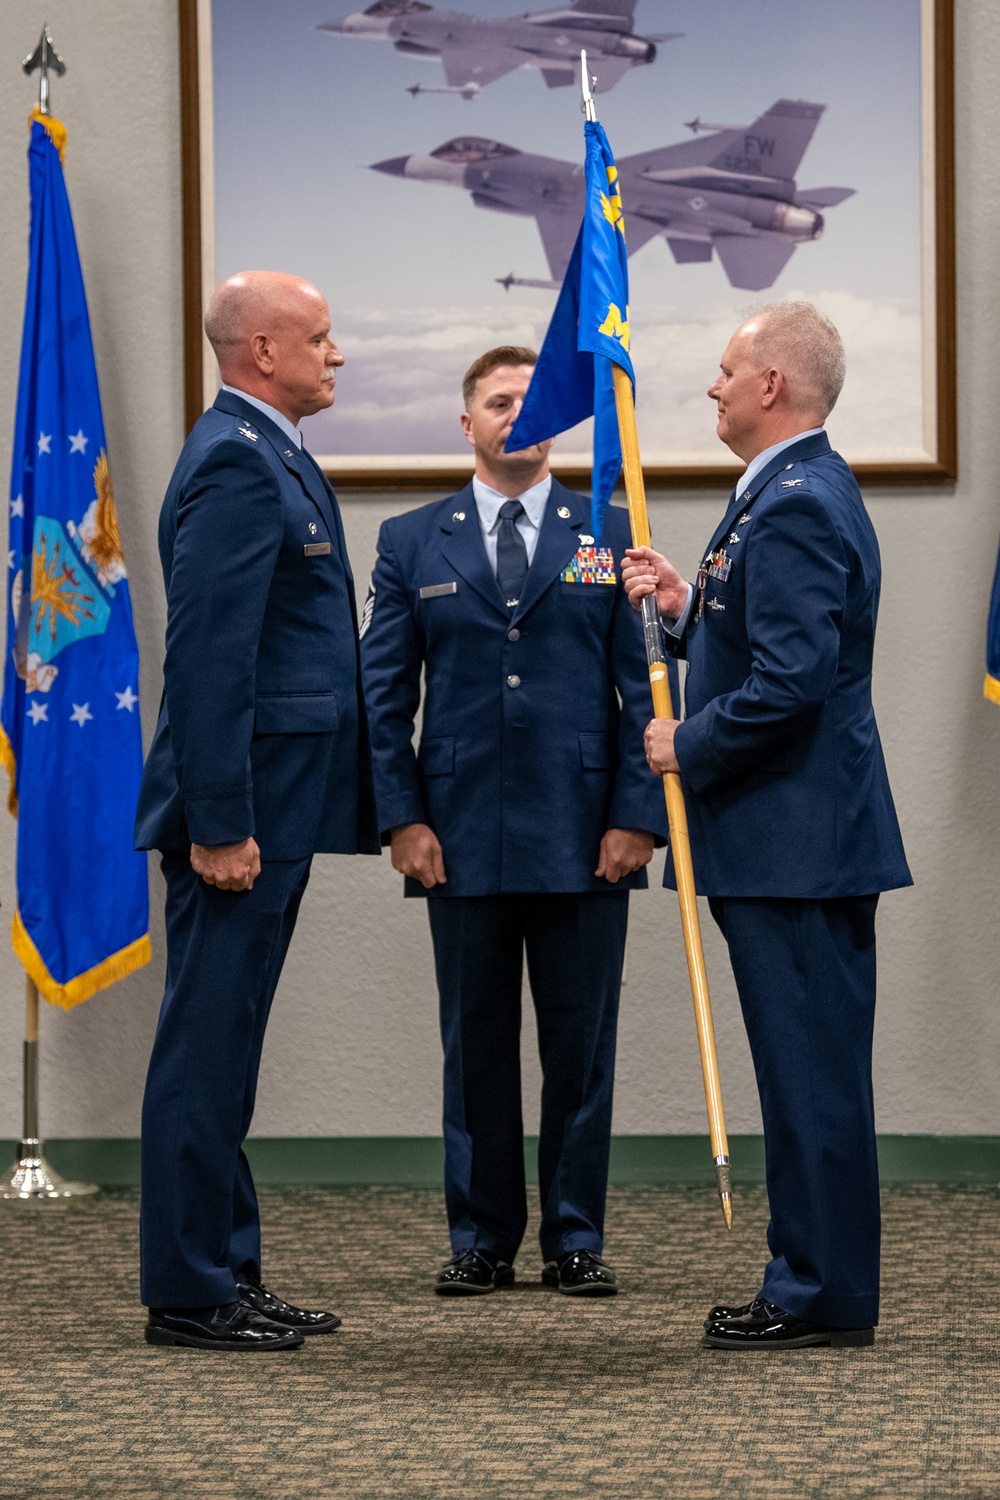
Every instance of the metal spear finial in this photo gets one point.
(587, 81)
(43, 58)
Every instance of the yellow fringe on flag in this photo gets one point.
(118, 966)
(9, 763)
(991, 689)
(55, 128)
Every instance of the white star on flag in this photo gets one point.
(77, 442)
(10, 559)
(45, 442)
(17, 506)
(37, 712)
(81, 713)
(127, 699)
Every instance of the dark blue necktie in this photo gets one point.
(512, 555)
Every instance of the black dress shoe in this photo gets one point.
(473, 1271)
(580, 1273)
(723, 1314)
(234, 1326)
(765, 1326)
(276, 1310)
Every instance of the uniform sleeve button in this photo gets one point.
(514, 635)
(513, 680)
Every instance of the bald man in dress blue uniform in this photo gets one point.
(525, 817)
(260, 759)
(793, 830)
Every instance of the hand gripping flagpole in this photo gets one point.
(31, 1178)
(680, 843)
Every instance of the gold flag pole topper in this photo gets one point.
(680, 843)
(31, 1178)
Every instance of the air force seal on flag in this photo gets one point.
(74, 569)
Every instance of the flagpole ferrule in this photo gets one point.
(724, 1183)
(652, 633)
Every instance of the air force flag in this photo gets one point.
(589, 330)
(71, 738)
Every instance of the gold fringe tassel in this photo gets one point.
(991, 689)
(9, 762)
(55, 128)
(118, 966)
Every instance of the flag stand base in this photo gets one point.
(32, 1180)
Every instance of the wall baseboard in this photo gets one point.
(416, 1161)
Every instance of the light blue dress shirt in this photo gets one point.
(488, 503)
(278, 418)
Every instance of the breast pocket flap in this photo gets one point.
(436, 757)
(295, 713)
(595, 752)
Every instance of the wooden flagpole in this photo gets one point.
(680, 844)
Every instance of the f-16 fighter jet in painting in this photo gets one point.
(733, 192)
(477, 51)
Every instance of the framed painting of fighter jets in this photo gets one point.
(421, 162)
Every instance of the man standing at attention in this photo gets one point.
(793, 830)
(526, 816)
(260, 759)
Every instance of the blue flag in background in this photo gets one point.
(589, 329)
(991, 687)
(71, 738)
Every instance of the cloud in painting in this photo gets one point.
(399, 392)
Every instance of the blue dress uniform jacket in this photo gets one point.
(262, 728)
(779, 743)
(525, 757)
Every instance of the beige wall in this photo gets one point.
(352, 1048)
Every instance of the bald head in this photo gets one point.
(271, 336)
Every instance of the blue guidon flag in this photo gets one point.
(71, 738)
(589, 330)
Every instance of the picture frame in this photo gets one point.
(920, 239)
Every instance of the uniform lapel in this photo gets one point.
(319, 489)
(294, 459)
(558, 541)
(810, 447)
(462, 545)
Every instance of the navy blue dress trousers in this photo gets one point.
(262, 733)
(530, 750)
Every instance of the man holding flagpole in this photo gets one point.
(792, 829)
(792, 825)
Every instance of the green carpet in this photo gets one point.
(522, 1395)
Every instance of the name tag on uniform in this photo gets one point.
(316, 549)
(437, 590)
(591, 565)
